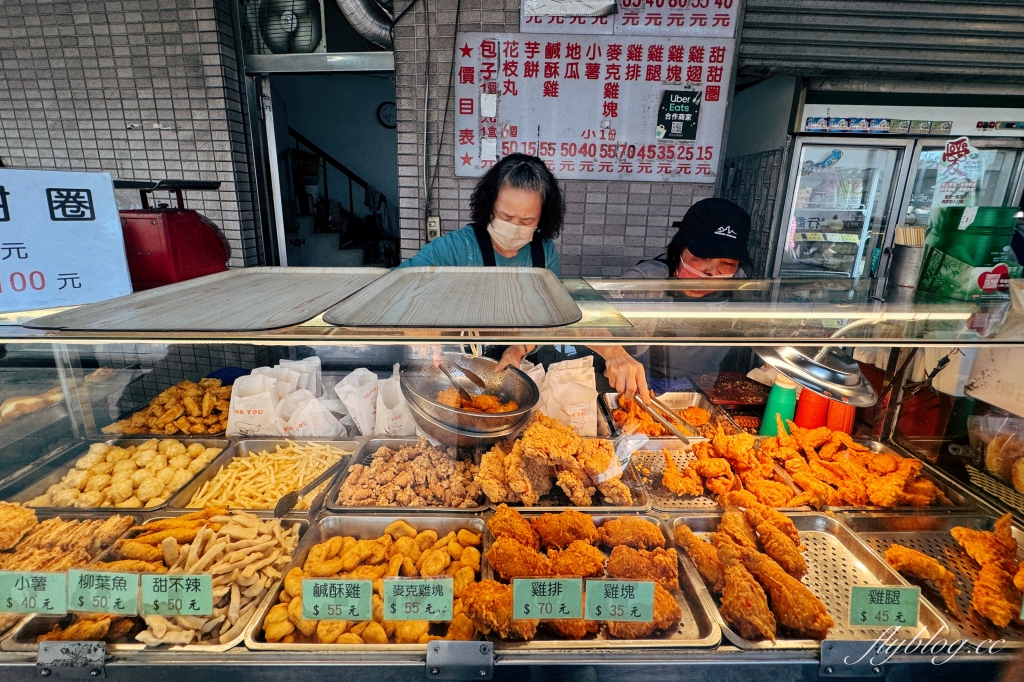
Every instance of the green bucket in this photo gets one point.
(984, 240)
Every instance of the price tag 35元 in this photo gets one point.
(620, 600)
(176, 595)
(337, 599)
(884, 606)
(29, 592)
(103, 592)
(547, 598)
(418, 599)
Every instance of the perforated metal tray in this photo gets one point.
(679, 401)
(836, 561)
(931, 535)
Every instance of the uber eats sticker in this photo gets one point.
(678, 115)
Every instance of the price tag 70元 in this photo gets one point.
(31, 592)
(418, 599)
(884, 606)
(176, 594)
(103, 592)
(620, 600)
(547, 598)
(337, 599)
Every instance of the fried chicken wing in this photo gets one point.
(561, 530)
(703, 555)
(508, 523)
(744, 604)
(988, 548)
(995, 597)
(579, 560)
(632, 532)
(795, 607)
(666, 617)
(512, 559)
(659, 565)
(886, 490)
(489, 605)
(685, 482)
(778, 546)
(912, 563)
(717, 474)
(735, 524)
(817, 493)
(771, 493)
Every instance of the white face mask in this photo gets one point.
(509, 236)
(694, 272)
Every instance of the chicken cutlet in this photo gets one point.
(666, 617)
(659, 565)
(561, 530)
(528, 479)
(15, 521)
(995, 597)
(795, 607)
(597, 457)
(703, 555)
(735, 524)
(915, 564)
(744, 604)
(551, 441)
(572, 629)
(632, 532)
(489, 605)
(579, 560)
(778, 546)
(512, 559)
(492, 477)
(685, 482)
(508, 523)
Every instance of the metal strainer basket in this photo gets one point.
(422, 382)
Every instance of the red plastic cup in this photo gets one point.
(840, 416)
(811, 410)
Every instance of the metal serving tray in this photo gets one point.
(364, 455)
(678, 402)
(35, 481)
(836, 561)
(930, 535)
(362, 528)
(24, 637)
(697, 628)
(244, 448)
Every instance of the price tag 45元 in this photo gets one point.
(547, 598)
(884, 606)
(418, 599)
(176, 595)
(103, 592)
(337, 599)
(29, 592)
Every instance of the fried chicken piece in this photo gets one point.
(771, 493)
(529, 479)
(489, 605)
(512, 559)
(492, 476)
(574, 485)
(717, 474)
(631, 419)
(659, 565)
(696, 416)
(572, 629)
(561, 530)
(703, 555)
(795, 607)
(885, 491)
(995, 595)
(744, 604)
(597, 457)
(632, 532)
(666, 617)
(685, 482)
(809, 438)
(735, 524)
(912, 563)
(778, 546)
(87, 630)
(551, 442)
(1018, 580)
(738, 449)
(817, 493)
(758, 513)
(508, 523)
(921, 492)
(579, 560)
(15, 521)
(997, 548)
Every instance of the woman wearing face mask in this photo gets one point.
(516, 212)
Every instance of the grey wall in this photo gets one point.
(139, 88)
(760, 116)
(609, 225)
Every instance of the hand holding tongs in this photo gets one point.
(660, 419)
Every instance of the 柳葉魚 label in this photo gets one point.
(103, 592)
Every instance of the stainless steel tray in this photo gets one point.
(678, 401)
(244, 448)
(35, 482)
(836, 560)
(24, 637)
(697, 628)
(362, 528)
(364, 455)
(930, 535)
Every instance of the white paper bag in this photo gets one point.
(535, 372)
(253, 399)
(301, 415)
(393, 415)
(569, 394)
(309, 374)
(287, 380)
(358, 393)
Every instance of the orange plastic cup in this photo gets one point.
(811, 410)
(840, 416)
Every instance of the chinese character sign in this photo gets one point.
(696, 18)
(591, 106)
(60, 240)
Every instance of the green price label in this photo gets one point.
(884, 606)
(622, 600)
(176, 595)
(547, 599)
(103, 592)
(29, 592)
(418, 599)
(337, 599)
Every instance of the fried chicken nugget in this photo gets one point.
(558, 531)
(632, 532)
(659, 565)
(306, 627)
(461, 628)
(328, 631)
(666, 617)
(400, 529)
(580, 560)
(512, 559)
(703, 555)
(507, 522)
(408, 631)
(467, 538)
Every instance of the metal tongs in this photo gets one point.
(288, 502)
(659, 418)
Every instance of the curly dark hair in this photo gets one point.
(521, 172)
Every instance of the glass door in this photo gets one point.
(839, 207)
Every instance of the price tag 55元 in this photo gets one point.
(884, 606)
(337, 599)
(418, 599)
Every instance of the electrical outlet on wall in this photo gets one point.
(433, 228)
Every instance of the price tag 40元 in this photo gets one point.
(884, 606)
(620, 600)
(176, 595)
(547, 598)
(337, 599)
(30, 592)
(103, 592)
(418, 599)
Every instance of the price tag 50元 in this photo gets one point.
(176, 595)
(103, 592)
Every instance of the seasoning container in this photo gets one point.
(840, 416)
(782, 402)
(811, 410)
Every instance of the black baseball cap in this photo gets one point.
(715, 228)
